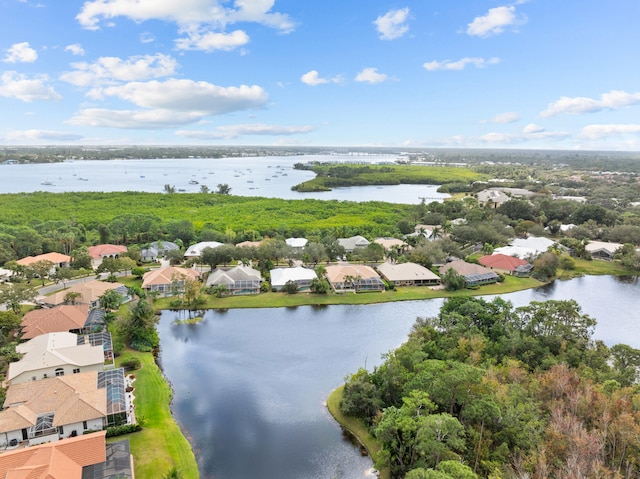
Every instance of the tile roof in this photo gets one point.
(90, 292)
(501, 261)
(280, 276)
(50, 320)
(168, 275)
(53, 257)
(406, 272)
(73, 398)
(464, 268)
(101, 250)
(196, 249)
(388, 243)
(338, 273)
(57, 460)
(230, 276)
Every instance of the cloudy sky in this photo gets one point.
(559, 74)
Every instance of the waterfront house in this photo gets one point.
(505, 264)
(353, 278)
(299, 275)
(54, 354)
(238, 280)
(168, 281)
(526, 247)
(408, 274)
(602, 249)
(474, 274)
(64, 318)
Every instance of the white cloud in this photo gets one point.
(188, 95)
(132, 119)
(371, 75)
(146, 37)
(111, 69)
(196, 18)
(75, 49)
(595, 132)
(494, 22)
(460, 64)
(393, 24)
(613, 100)
(20, 53)
(312, 78)
(211, 41)
(15, 85)
(235, 131)
(533, 128)
(40, 135)
(504, 118)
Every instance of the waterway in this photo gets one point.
(250, 384)
(268, 177)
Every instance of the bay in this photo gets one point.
(264, 176)
(250, 384)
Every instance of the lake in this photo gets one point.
(250, 384)
(264, 176)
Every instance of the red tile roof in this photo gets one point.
(55, 258)
(101, 250)
(52, 320)
(501, 261)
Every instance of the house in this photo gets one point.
(493, 197)
(89, 293)
(59, 260)
(5, 275)
(168, 281)
(408, 274)
(474, 274)
(102, 251)
(299, 275)
(526, 247)
(157, 249)
(238, 280)
(195, 250)
(602, 250)
(79, 457)
(353, 278)
(249, 244)
(54, 354)
(65, 318)
(350, 244)
(506, 264)
(54, 408)
(296, 243)
(390, 244)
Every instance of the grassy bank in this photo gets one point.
(160, 445)
(356, 428)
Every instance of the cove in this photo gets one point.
(250, 384)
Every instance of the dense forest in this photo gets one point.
(488, 390)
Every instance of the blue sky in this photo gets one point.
(556, 74)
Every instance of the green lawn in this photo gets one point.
(160, 445)
(355, 427)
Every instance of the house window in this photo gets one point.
(44, 376)
(33, 378)
(76, 370)
(59, 372)
(84, 425)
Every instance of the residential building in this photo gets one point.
(89, 293)
(474, 274)
(299, 275)
(350, 244)
(408, 274)
(54, 354)
(238, 280)
(157, 250)
(80, 457)
(390, 244)
(602, 249)
(65, 318)
(505, 264)
(102, 251)
(59, 260)
(296, 243)
(195, 250)
(168, 281)
(353, 278)
(526, 247)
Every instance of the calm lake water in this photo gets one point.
(250, 384)
(269, 177)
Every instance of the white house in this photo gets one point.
(296, 243)
(195, 250)
(526, 247)
(349, 244)
(299, 275)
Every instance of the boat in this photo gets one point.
(83, 179)
(47, 183)
(193, 182)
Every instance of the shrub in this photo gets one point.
(131, 363)
(124, 429)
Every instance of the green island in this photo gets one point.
(464, 227)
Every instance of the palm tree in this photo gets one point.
(173, 473)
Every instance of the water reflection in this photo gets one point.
(250, 384)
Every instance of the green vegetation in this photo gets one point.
(331, 176)
(160, 445)
(508, 392)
